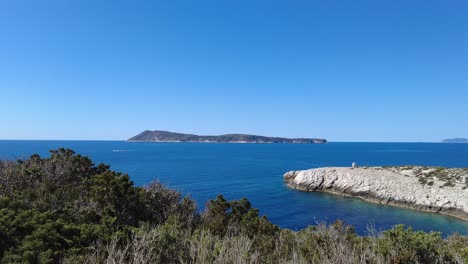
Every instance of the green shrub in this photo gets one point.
(400, 245)
(65, 209)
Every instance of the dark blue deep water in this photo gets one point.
(255, 171)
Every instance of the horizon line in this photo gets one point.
(125, 140)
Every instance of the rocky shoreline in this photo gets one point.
(430, 189)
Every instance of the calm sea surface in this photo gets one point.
(256, 171)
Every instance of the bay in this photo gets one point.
(255, 171)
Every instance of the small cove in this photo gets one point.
(255, 171)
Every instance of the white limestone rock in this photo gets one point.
(420, 188)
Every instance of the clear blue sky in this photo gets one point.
(342, 70)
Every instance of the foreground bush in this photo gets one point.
(65, 209)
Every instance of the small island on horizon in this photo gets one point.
(455, 140)
(166, 136)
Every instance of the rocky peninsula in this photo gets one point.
(432, 189)
(166, 136)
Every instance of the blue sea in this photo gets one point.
(255, 171)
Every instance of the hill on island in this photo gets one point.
(456, 140)
(166, 136)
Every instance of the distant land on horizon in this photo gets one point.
(455, 140)
(166, 136)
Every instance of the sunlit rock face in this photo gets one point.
(434, 189)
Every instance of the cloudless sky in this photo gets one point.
(341, 70)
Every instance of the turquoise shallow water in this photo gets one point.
(255, 171)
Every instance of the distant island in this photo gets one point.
(166, 136)
(455, 140)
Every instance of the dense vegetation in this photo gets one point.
(66, 209)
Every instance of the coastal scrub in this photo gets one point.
(66, 209)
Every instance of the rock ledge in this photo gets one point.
(432, 189)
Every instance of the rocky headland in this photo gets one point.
(166, 136)
(431, 189)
